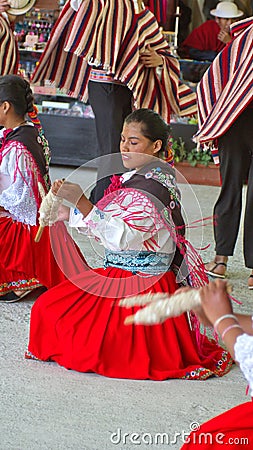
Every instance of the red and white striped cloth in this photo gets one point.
(226, 89)
(8, 49)
(110, 35)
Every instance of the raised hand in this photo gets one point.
(69, 191)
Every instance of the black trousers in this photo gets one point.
(111, 103)
(236, 166)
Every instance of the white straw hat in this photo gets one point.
(19, 7)
(226, 10)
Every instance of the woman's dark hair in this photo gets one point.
(153, 127)
(17, 91)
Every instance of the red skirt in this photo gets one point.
(80, 325)
(233, 429)
(26, 264)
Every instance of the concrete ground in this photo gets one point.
(46, 407)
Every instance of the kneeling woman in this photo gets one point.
(24, 179)
(79, 323)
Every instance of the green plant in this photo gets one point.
(178, 148)
(201, 156)
(193, 156)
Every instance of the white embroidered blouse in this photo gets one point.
(131, 223)
(244, 356)
(16, 194)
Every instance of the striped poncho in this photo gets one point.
(8, 49)
(109, 34)
(226, 89)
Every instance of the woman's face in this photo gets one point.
(224, 24)
(137, 150)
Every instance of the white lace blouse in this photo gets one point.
(244, 356)
(16, 194)
(131, 223)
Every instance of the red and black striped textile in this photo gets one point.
(226, 88)
(8, 49)
(111, 38)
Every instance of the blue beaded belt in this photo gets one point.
(139, 261)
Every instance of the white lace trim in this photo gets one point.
(244, 356)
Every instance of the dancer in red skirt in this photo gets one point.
(79, 324)
(24, 178)
(234, 427)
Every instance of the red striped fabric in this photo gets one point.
(111, 39)
(159, 8)
(8, 49)
(226, 88)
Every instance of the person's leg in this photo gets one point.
(248, 218)
(248, 222)
(234, 166)
(111, 103)
(248, 227)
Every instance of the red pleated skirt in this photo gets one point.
(232, 429)
(80, 325)
(26, 264)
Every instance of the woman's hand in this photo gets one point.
(150, 58)
(197, 311)
(57, 184)
(215, 301)
(224, 37)
(69, 191)
(72, 193)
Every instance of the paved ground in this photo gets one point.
(46, 407)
